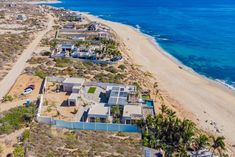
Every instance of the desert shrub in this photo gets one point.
(25, 135)
(121, 134)
(111, 69)
(62, 62)
(109, 78)
(7, 98)
(17, 118)
(46, 53)
(40, 74)
(122, 67)
(83, 43)
(36, 60)
(1, 149)
(19, 151)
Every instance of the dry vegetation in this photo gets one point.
(50, 141)
(16, 34)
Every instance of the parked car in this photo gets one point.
(29, 89)
(114, 59)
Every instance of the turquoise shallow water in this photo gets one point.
(200, 34)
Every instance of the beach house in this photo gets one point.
(21, 17)
(97, 101)
(73, 85)
(118, 94)
(132, 113)
(83, 53)
(98, 113)
(93, 26)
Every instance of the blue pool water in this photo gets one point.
(200, 33)
(149, 103)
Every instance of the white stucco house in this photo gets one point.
(72, 84)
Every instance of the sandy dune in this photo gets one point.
(208, 103)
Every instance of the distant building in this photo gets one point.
(149, 152)
(69, 26)
(66, 47)
(200, 153)
(84, 53)
(94, 26)
(72, 16)
(21, 17)
(69, 84)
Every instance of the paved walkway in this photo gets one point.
(10, 78)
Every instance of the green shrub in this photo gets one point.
(62, 62)
(26, 135)
(112, 69)
(1, 149)
(19, 151)
(122, 67)
(7, 98)
(17, 118)
(40, 74)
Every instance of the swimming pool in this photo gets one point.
(149, 103)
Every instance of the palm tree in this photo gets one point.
(188, 131)
(116, 113)
(218, 144)
(201, 142)
(171, 113)
(163, 108)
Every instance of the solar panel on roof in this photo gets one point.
(114, 94)
(122, 101)
(112, 101)
(115, 88)
(123, 94)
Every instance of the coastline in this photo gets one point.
(167, 54)
(195, 96)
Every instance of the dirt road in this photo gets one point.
(10, 78)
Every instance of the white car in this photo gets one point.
(27, 91)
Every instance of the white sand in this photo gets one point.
(201, 98)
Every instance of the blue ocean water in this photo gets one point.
(200, 33)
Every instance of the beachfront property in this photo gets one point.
(21, 17)
(93, 26)
(200, 153)
(70, 51)
(71, 16)
(84, 53)
(88, 30)
(93, 102)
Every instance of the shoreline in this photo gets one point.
(167, 54)
(195, 96)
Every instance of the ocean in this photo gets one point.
(200, 33)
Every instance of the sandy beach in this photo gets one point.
(208, 103)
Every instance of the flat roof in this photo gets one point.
(74, 80)
(119, 94)
(99, 109)
(73, 96)
(67, 45)
(132, 111)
